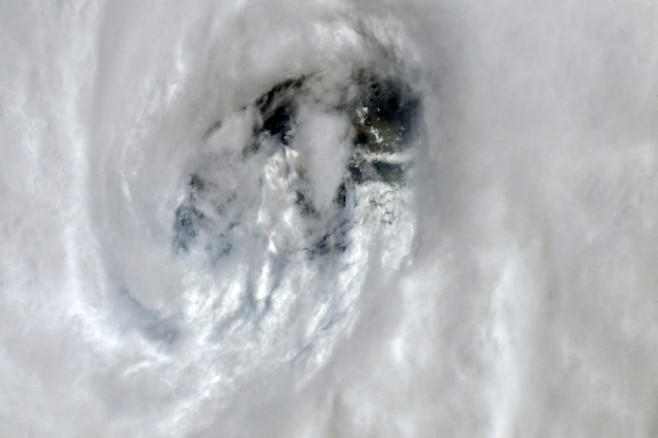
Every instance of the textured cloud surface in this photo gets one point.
(329, 219)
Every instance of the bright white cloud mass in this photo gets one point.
(329, 218)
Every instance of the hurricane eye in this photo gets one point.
(381, 125)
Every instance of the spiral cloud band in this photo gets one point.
(329, 218)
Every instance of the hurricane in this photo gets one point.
(328, 218)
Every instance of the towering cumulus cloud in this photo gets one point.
(332, 218)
